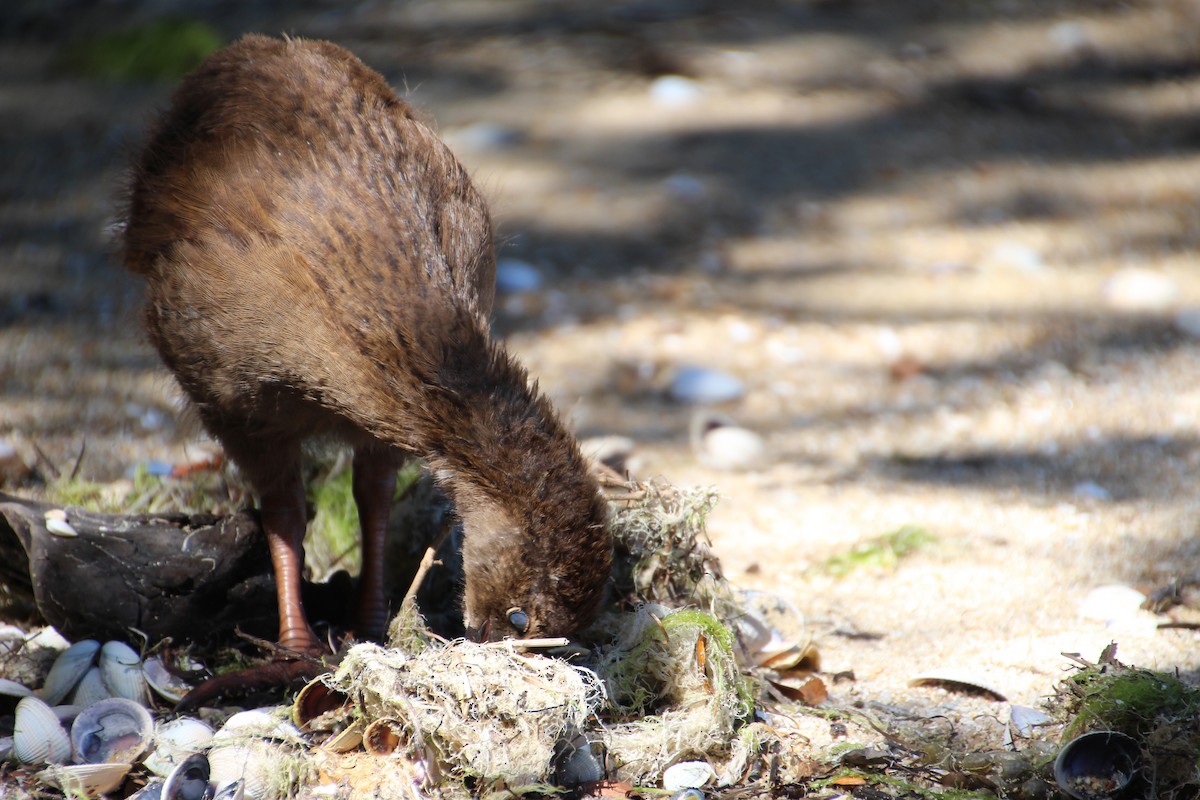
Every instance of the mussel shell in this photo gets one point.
(168, 685)
(189, 780)
(1102, 758)
(121, 669)
(176, 741)
(232, 791)
(38, 737)
(113, 730)
(68, 669)
(90, 689)
(88, 779)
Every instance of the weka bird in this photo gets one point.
(318, 263)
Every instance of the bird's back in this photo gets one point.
(304, 235)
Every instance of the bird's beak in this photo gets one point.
(480, 632)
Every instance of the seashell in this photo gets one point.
(259, 723)
(189, 780)
(252, 762)
(319, 707)
(11, 693)
(90, 689)
(66, 714)
(688, 794)
(38, 738)
(687, 775)
(957, 680)
(112, 730)
(232, 791)
(121, 669)
(702, 385)
(1098, 765)
(56, 523)
(85, 779)
(383, 736)
(514, 276)
(168, 685)
(718, 442)
(349, 738)
(580, 761)
(789, 642)
(176, 741)
(6, 747)
(151, 791)
(70, 666)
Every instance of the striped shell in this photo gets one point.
(38, 738)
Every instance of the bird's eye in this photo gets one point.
(518, 619)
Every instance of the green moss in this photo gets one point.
(880, 552)
(162, 50)
(1132, 701)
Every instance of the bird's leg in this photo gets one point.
(374, 486)
(284, 520)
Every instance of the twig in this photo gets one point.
(530, 644)
(78, 460)
(427, 562)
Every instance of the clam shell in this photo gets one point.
(113, 730)
(68, 669)
(89, 779)
(319, 707)
(13, 689)
(90, 689)
(188, 781)
(687, 775)
(350, 738)
(252, 762)
(383, 736)
(176, 741)
(121, 669)
(259, 723)
(38, 738)
(168, 685)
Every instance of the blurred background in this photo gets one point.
(866, 266)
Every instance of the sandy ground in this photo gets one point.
(947, 247)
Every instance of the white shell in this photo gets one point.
(121, 669)
(90, 689)
(61, 528)
(68, 668)
(687, 775)
(231, 791)
(730, 447)
(702, 385)
(84, 779)
(176, 741)
(38, 738)
(161, 680)
(115, 729)
(251, 762)
(259, 723)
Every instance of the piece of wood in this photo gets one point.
(178, 575)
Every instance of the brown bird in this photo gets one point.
(318, 263)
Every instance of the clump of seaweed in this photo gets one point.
(1157, 709)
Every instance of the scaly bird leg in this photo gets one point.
(374, 486)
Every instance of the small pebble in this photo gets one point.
(1188, 321)
(675, 90)
(684, 186)
(1015, 255)
(703, 385)
(483, 136)
(1090, 490)
(1137, 289)
(514, 275)
(1112, 603)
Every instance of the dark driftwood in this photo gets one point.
(177, 575)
